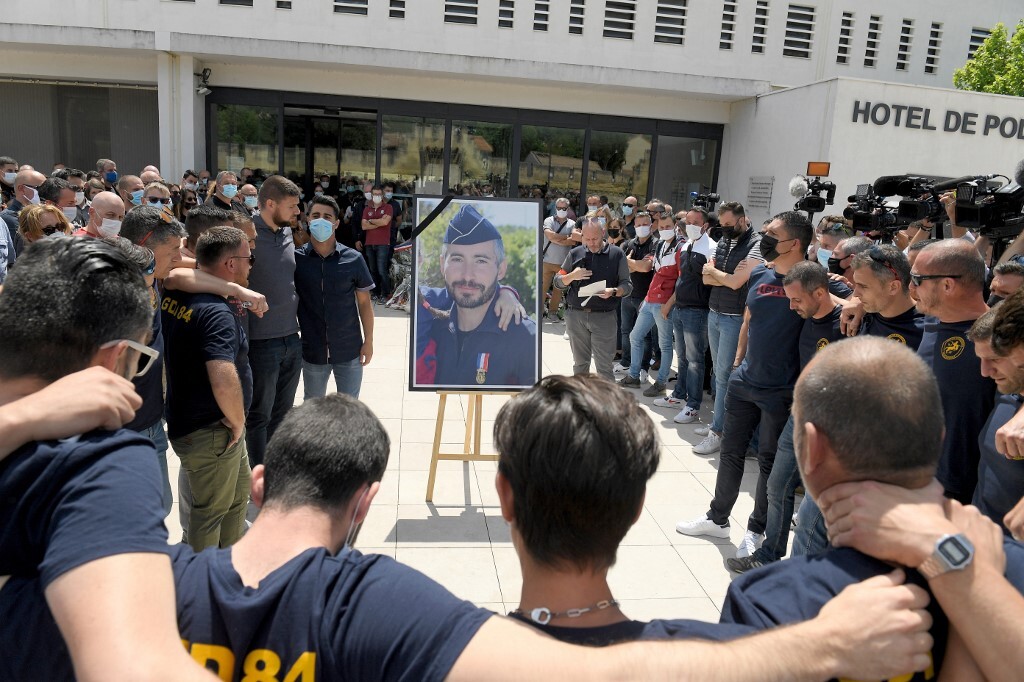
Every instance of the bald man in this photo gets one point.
(26, 186)
(131, 188)
(105, 216)
(148, 176)
(946, 282)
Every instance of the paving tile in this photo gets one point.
(467, 571)
(423, 525)
(651, 573)
(379, 527)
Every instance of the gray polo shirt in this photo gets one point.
(273, 275)
(555, 253)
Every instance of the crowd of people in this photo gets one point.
(193, 326)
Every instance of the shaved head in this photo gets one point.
(149, 176)
(28, 176)
(106, 205)
(895, 433)
(956, 257)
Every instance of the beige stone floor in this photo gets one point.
(461, 540)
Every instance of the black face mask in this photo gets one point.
(732, 232)
(613, 233)
(716, 234)
(993, 300)
(834, 265)
(768, 244)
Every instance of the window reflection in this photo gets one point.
(684, 165)
(551, 164)
(412, 154)
(619, 167)
(481, 159)
(246, 136)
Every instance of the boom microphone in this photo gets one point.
(798, 186)
(953, 184)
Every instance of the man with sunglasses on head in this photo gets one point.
(209, 388)
(881, 280)
(947, 282)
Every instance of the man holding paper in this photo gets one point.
(595, 275)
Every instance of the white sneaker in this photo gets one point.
(566, 335)
(643, 376)
(749, 544)
(702, 526)
(619, 368)
(668, 402)
(702, 430)
(711, 444)
(685, 416)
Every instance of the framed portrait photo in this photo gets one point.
(475, 265)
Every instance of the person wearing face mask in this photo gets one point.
(105, 216)
(59, 193)
(226, 195)
(639, 254)
(666, 270)
(108, 172)
(40, 222)
(688, 308)
(132, 190)
(190, 180)
(629, 205)
(250, 198)
(595, 208)
(26, 186)
(8, 172)
(557, 242)
(376, 225)
(335, 309)
(353, 235)
(840, 263)
(77, 179)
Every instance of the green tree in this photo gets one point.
(997, 66)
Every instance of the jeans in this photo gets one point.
(591, 335)
(275, 367)
(158, 435)
(649, 316)
(218, 477)
(810, 536)
(348, 376)
(745, 406)
(691, 331)
(628, 311)
(782, 485)
(377, 260)
(724, 335)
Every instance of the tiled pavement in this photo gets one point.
(461, 540)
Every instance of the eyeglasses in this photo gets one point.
(882, 261)
(251, 258)
(158, 200)
(148, 353)
(52, 229)
(917, 279)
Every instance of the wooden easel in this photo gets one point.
(471, 444)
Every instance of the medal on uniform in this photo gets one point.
(482, 362)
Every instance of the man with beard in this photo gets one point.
(466, 347)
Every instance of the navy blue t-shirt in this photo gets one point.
(794, 590)
(328, 313)
(967, 399)
(906, 328)
(773, 335)
(817, 334)
(150, 386)
(199, 328)
(344, 617)
(1000, 480)
(633, 630)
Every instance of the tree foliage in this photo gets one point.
(997, 66)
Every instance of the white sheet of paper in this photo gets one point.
(593, 289)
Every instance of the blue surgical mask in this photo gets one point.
(321, 229)
(229, 191)
(137, 197)
(823, 256)
(9, 178)
(111, 177)
(388, 195)
(251, 201)
(627, 209)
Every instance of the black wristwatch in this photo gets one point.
(952, 553)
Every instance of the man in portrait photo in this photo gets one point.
(465, 345)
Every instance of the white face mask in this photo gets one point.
(353, 528)
(693, 232)
(561, 213)
(377, 198)
(71, 213)
(33, 195)
(191, 186)
(109, 228)
(9, 178)
(666, 235)
(80, 198)
(367, 195)
(643, 231)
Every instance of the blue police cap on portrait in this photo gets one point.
(469, 227)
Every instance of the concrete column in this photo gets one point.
(178, 102)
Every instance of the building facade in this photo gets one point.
(645, 97)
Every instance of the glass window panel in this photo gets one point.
(246, 136)
(619, 167)
(684, 165)
(412, 154)
(358, 143)
(295, 150)
(481, 158)
(551, 164)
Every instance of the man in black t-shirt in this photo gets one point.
(209, 389)
(881, 279)
(893, 437)
(639, 258)
(947, 282)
